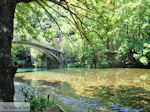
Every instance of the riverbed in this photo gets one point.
(93, 90)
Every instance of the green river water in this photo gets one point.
(93, 90)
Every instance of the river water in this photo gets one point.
(93, 90)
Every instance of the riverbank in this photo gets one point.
(38, 102)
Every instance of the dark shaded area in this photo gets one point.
(59, 87)
(24, 58)
(25, 70)
(127, 96)
(41, 82)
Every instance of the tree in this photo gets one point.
(7, 10)
(119, 30)
(103, 27)
(7, 67)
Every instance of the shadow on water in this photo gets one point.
(103, 98)
(129, 97)
(36, 83)
(25, 70)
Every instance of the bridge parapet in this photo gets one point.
(31, 40)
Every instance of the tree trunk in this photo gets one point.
(7, 67)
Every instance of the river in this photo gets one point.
(93, 90)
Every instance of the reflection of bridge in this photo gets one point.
(45, 48)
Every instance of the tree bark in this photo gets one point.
(7, 67)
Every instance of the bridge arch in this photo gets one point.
(50, 51)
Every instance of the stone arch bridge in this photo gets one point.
(45, 48)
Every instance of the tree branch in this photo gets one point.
(56, 23)
(25, 1)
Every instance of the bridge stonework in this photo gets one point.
(45, 48)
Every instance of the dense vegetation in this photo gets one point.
(38, 102)
(98, 33)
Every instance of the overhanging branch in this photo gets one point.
(55, 22)
(25, 1)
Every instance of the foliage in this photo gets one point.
(37, 57)
(118, 31)
(96, 33)
(14, 51)
(21, 55)
(38, 102)
(143, 55)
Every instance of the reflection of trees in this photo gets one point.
(127, 96)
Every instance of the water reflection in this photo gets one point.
(93, 90)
